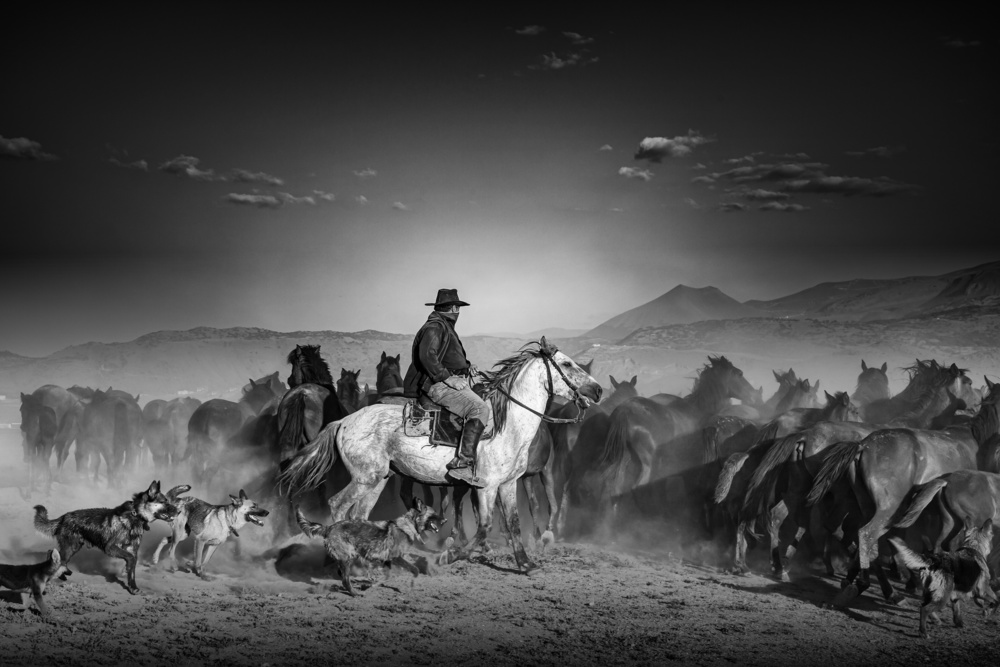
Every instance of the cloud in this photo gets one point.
(632, 172)
(708, 180)
(778, 206)
(257, 201)
(577, 38)
(400, 206)
(878, 151)
(188, 165)
(740, 160)
(733, 207)
(361, 199)
(793, 156)
(765, 195)
(772, 172)
(692, 203)
(530, 30)
(325, 196)
(244, 176)
(553, 62)
(141, 165)
(22, 148)
(606, 147)
(850, 186)
(655, 149)
(292, 199)
(366, 173)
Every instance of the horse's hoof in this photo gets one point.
(783, 577)
(895, 598)
(134, 590)
(845, 596)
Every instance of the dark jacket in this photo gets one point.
(437, 354)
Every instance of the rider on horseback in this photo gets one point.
(441, 370)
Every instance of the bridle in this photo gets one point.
(546, 354)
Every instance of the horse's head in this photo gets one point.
(387, 374)
(962, 388)
(873, 383)
(721, 377)
(839, 407)
(569, 380)
(785, 380)
(38, 424)
(257, 395)
(347, 389)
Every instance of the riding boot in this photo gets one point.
(462, 467)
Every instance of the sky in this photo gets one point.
(294, 167)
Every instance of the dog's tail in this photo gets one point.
(308, 527)
(174, 494)
(924, 496)
(42, 523)
(911, 559)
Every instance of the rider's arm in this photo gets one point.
(431, 350)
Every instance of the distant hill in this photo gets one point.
(680, 305)
(867, 300)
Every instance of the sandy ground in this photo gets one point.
(589, 604)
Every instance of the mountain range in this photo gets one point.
(823, 332)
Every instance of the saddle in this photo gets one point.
(424, 417)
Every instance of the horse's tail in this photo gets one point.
(766, 435)
(616, 456)
(764, 480)
(292, 433)
(729, 470)
(925, 494)
(308, 469)
(842, 456)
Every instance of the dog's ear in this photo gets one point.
(235, 500)
(54, 556)
(243, 495)
(418, 504)
(987, 526)
(154, 488)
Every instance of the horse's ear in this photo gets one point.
(614, 383)
(635, 378)
(864, 366)
(954, 370)
(137, 398)
(777, 377)
(383, 357)
(816, 387)
(885, 366)
(252, 383)
(829, 398)
(397, 358)
(792, 375)
(989, 385)
(25, 397)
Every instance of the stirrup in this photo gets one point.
(466, 475)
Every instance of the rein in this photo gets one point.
(545, 418)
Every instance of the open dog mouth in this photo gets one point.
(167, 514)
(254, 516)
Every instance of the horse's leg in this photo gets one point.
(740, 555)
(534, 507)
(512, 523)
(365, 506)
(549, 486)
(487, 498)
(775, 518)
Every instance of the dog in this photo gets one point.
(33, 579)
(952, 576)
(117, 532)
(359, 542)
(209, 524)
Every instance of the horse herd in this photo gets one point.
(837, 474)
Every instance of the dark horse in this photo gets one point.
(50, 417)
(388, 381)
(883, 468)
(111, 428)
(348, 392)
(215, 425)
(648, 441)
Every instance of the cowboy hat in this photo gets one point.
(447, 297)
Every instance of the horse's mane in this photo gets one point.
(499, 383)
(705, 395)
(308, 367)
(986, 423)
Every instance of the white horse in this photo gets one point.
(372, 444)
